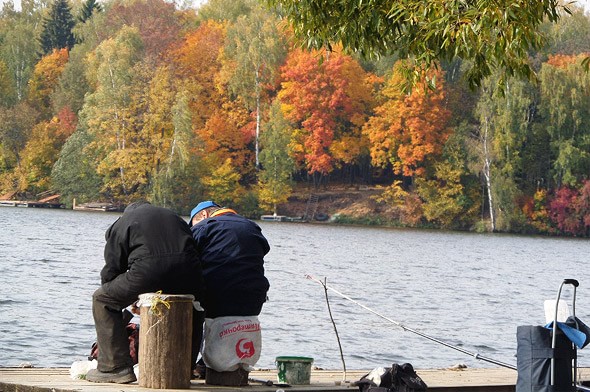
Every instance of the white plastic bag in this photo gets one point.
(232, 342)
(79, 369)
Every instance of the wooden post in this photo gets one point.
(165, 336)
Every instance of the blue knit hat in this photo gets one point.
(200, 207)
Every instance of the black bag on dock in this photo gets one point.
(533, 358)
(397, 378)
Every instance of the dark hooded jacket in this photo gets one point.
(153, 249)
(232, 250)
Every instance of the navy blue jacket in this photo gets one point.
(232, 250)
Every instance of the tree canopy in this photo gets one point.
(488, 33)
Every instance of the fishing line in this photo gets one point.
(405, 328)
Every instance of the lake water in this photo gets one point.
(468, 290)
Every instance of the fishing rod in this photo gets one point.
(475, 355)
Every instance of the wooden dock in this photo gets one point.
(45, 200)
(440, 380)
(29, 204)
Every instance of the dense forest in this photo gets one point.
(129, 99)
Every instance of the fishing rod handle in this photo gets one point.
(573, 282)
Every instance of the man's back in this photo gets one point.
(153, 231)
(144, 232)
(232, 250)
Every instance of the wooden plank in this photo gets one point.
(438, 380)
(49, 198)
(444, 380)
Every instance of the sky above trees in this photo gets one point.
(196, 3)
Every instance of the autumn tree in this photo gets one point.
(72, 85)
(226, 140)
(57, 28)
(196, 63)
(179, 183)
(408, 131)
(570, 35)
(166, 135)
(327, 102)
(256, 48)
(274, 178)
(76, 79)
(42, 149)
(45, 79)
(450, 194)
(536, 208)
(223, 184)
(16, 124)
(223, 126)
(570, 209)
(94, 30)
(107, 115)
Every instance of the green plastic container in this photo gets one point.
(294, 370)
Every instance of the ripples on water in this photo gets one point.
(467, 290)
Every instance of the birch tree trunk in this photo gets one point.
(487, 171)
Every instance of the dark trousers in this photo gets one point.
(112, 337)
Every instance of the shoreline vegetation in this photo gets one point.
(359, 205)
(356, 205)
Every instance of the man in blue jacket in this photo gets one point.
(232, 250)
(147, 249)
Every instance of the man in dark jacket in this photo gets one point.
(148, 249)
(232, 250)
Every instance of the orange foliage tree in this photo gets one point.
(223, 127)
(196, 65)
(409, 129)
(44, 80)
(327, 100)
(228, 134)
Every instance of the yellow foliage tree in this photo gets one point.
(45, 79)
(42, 151)
(110, 114)
(223, 185)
